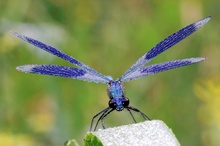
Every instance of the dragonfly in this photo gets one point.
(115, 89)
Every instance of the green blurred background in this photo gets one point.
(109, 36)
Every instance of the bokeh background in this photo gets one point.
(109, 36)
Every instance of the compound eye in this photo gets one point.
(112, 104)
(125, 102)
(110, 83)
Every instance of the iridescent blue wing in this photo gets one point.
(164, 45)
(62, 71)
(93, 73)
(156, 68)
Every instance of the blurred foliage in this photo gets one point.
(208, 91)
(108, 36)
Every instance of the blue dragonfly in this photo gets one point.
(118, 101)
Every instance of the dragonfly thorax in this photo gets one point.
(116, 94)
(115, 89)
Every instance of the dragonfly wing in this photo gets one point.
(166, 44)
(60, 54)
(156, 68)
(62, 71)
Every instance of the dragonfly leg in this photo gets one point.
(103, 117)
(137, 110)
(103, 124)
(131, 115)
(100, 119)
(101, 112)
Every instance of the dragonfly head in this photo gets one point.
(118, 103)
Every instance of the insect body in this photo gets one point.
(115, 88)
